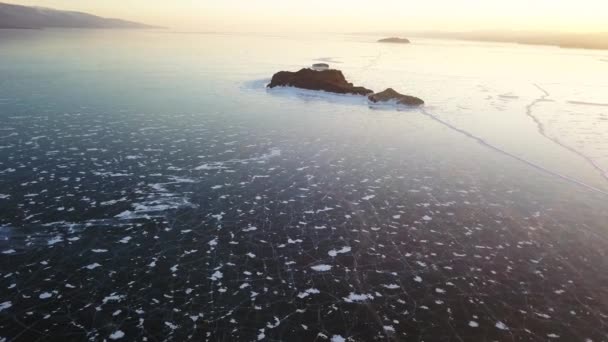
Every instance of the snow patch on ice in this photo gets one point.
(321, 268)
(45, 295)
(308, 293)
(354, 297)
(117, 335)
(337, 338)
(5, 305)
(501, 326)
(217, 275)
(334, 253)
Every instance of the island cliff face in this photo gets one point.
(330, 80)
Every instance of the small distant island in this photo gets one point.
(25, 17)
(394, 40)
(572, 40)
(333, 81)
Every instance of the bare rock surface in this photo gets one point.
(391, 95)
(330, 80)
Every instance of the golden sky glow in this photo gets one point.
(350, 15)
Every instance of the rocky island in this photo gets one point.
(333, 81)
(391, 95)
(394, 40)
(330, 80)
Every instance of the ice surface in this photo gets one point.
(158, 209)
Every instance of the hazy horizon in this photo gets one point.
(557, 16)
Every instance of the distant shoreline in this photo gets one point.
(19, 17)
(557, 45)
(19, 28)
(594, 41)
(82, 28)
(587, 41)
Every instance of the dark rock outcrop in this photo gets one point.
(391, 95)
(394, 40)
(331, 80)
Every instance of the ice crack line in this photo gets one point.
(373, 61)
(506, 153)
(541, 129)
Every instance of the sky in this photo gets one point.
(350, 15)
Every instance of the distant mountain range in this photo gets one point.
(24, 17)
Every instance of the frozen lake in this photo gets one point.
(151, 188)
